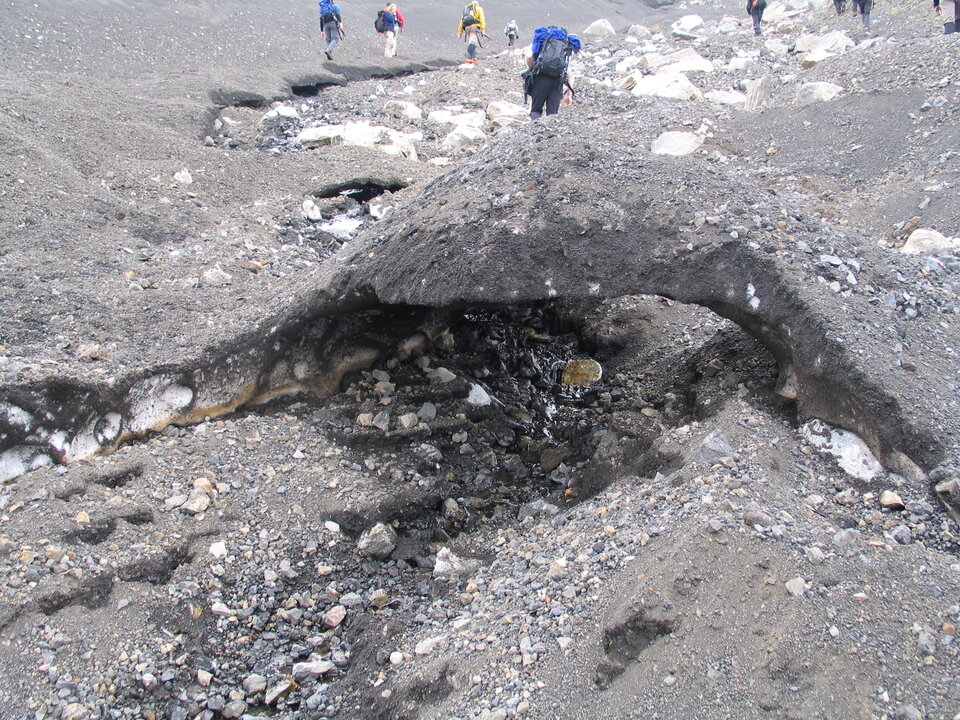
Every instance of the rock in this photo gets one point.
(581, 373)
(379, 598)
(426, 647)
(74, 711)
(310, 210)
(378, 541)
(927, 643)
(321, 135)
(713, 447)
(278, 691)
(90, 352)
(216, 276)
(381, 420)
(796, 587)
(925, 241)
(640, 31)
(183, 177)
(478, 396)
(218, 549)
(753, 515)
(440, 376)
(408, 420)
(891, 501)
(676, 143)
(440, 117)
(253, 684)
(833, 42)
(901, 535)
(404, 109)
(234, 709)
(739, 64)
(334, 616)
(758, 93)
(725, 97)
(220, 609)
(427, 412)
(684, 27)
(815, 92)
(396, 658)
(197, 502)
(149, 682)
(949, 493)
(851, 452)
(599, 29)
(682, 61)
(673, 86)
(464, 137)
(501, 108)
(814, 555)
(907, 712)
(281, 111)
(446, 563)
(815, 57)
(204, 678)
(311, 670)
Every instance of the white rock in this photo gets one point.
(676, 143)
(311, 670)
(640, 31)
(685, 26)
(673, 86)
(815, 92)
(440, 117)
(446, 563)
(728, 25)
(739, 64)
(815, 57)
(478, 396)
(218, 608)
(599, 29)
(796, 587)
(378, 541)
(774, 12)
(835, 42)
(218, 549)
(322, 135)
(725, 97)
(926, 241)
(310, 210)
(183, 177)
(851, 453)
(403, 108)
(501, 108)
(776, 47)
(284, 111)
(343, 228)
(425, 647)
(197, 502)
(684, 61)
(463, 137)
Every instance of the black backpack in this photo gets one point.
(468, 18)
(380, 24)
(554, 56)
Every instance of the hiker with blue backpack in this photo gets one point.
(331, 25)
(547, 74)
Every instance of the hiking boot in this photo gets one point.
(328, 54)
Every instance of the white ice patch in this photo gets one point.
(21, 460)
(342, 228)
(851, 453)
(16, 415)
(155, 402)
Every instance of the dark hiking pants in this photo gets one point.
(546, 91)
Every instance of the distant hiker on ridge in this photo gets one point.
(951, 19)
(472, 25)
(390, 49)
(755, 10)
(548, 61)
(512, 31)
(331, 25)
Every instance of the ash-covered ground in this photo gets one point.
(337, 390)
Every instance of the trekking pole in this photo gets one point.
(343, 35)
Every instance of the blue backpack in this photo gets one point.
(327, 13)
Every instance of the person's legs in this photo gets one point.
(554, 96)
(332, 34)
(390, 46)
(755, 15)
(540, 95)
(865, 7)
(950, 10)
(471, 45)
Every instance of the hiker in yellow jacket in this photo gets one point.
(473, 25)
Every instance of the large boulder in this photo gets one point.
(815, 92)
(676, 143)
(673, 86)
(599, 29)
(464, 137)
(725, 97)
(684, 27)
(503, 109)
(321, 135)
(682, 61)
(926, 241)
(835, 42)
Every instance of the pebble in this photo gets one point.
(277, 691)
(311, 670)
(891, 501)
(796, 587)
(333, 617)
(254, 684)
(378, 541)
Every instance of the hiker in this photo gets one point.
(755, 10)
(951, 19)
(387, 24)
(331, 25)
(390, 50)
(512, 31)
(548, 60)
(472, 27)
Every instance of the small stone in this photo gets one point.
(234, 709)
(408, 420)
(753, 515)
(902, 535)
(427, 412)
(440, 376)
(927, 643)
(197, 502)
(204, 678)
(581, 373)
(82, 518)
(834, 631)
(478, 397)
(381, 421)
(277, 691)
(334, 617)
(150, 682)
(218, 608)
(891, 501)
(796, 587)
(814, 555)
(252, 684)
(90, 352)
(378, 541)
(218, 549)
(670, 680)
(565, 643)
(74, 711)
(379, 598)
(396, 658)
(426, 647)
(311, 670)
(715, 525)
